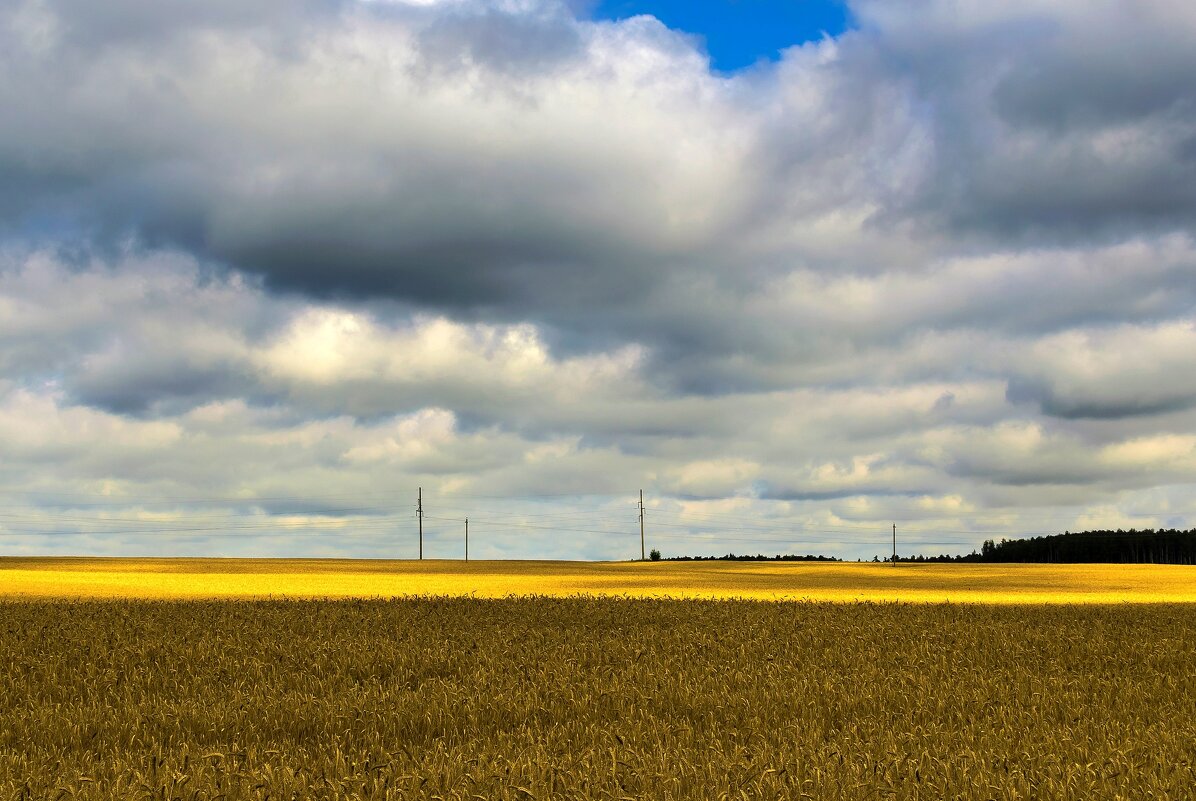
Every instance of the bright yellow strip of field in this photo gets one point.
(319, 578)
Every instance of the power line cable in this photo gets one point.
(527, 525)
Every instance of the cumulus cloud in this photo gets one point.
(1052, 121)
(387, 153)
(1110, 373)
(938, 269)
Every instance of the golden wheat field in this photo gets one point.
(595, 698)
(183, 679)
(328, 578)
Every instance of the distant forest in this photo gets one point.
(1162, 547)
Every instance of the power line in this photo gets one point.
(609, 518)
(326, 514)
(530, 526)
(220, 531)
(538, 515)
(229, 499)
(879, 527)
(535, 495)
(166, 525)
(796, 540)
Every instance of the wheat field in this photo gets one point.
(329, 578)
(594, 698)
(183, 679)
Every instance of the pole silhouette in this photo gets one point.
(642, 556)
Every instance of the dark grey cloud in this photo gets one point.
(1052, 123)
(1133, 401)
(511, 162)
(1102, 76)
(1108, 373)
(142, 386)
(367, 177)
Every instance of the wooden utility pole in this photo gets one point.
(419, 511)
(894, 543)
(642, 555)
(467, 539)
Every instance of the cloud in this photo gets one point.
(158, 337)
(394, 154)
(340, 360)
(464, 160)
(1052, 122)
(1109, 374)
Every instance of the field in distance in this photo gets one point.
(151, 578)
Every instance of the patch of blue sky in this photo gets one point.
(739, 33)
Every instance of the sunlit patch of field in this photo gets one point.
(843, 582)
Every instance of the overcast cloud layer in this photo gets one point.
(266, 268)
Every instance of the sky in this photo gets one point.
(800, 272)
(738, 33)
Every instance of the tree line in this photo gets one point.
(1146, 546)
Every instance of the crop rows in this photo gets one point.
(584, 698)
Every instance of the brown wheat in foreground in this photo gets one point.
(565, 698)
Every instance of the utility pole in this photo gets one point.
(419, 510)
(894, 543)
(642, 556)
(467, 539)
